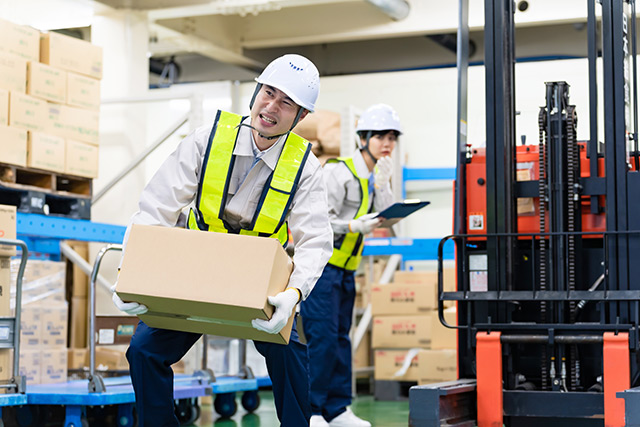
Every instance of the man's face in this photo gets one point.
(382, 145)
(273, 111)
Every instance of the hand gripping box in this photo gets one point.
(204, 282)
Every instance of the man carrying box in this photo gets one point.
(246, 175)
(354, 192)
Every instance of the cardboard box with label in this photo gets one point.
(71, 54)
(424, 277)
(441, 336)
(81, 159)
(427, 366)
(7, 229)
(73, 123)
(27, 112)
(204, 282)
(111, 359)
(53, 366)
(46, 82)
(83, 91)
(20, 40)
(13, 73)
(30, 360)
(399, 298)
(13, 145)
(30, 326)
(5, 286)
(402, 331)
(54, 318)
(46, 152)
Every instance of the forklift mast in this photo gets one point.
(545, 237)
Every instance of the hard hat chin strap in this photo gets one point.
(365, 148)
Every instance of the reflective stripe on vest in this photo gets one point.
(349, 253)
(278, 192)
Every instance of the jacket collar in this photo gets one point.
(244, 147)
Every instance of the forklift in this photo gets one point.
(547, 244)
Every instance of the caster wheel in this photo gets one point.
(250, 400)
(225, 404)
(29, 416)
(187, 411)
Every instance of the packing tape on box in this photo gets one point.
(413, 352)
(200, 319)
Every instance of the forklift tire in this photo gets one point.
(250, 400)
(225, 404)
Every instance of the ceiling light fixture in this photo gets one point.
(396, 9)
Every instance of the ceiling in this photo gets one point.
(234, 39)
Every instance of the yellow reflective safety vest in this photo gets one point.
(348, 252)
(276, 197)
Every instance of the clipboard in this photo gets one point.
(398, 211)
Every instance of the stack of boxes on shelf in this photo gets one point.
(7, 231)
(322, 129)
(49, 101)
(406, 326)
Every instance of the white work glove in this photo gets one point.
(132, 308)
(365, 224)
(384, 171)
(284, 303)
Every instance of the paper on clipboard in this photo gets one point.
(398, 211)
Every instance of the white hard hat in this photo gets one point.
(379, 117)
(296, 76)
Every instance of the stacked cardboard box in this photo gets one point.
(43, 322)
(49, 101)
(7, 231)
(406, 326)
(322, 129)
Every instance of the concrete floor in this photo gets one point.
(380, 414)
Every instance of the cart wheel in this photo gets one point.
(250, 400)
(28, 416)
(225, 404)
(187, 411)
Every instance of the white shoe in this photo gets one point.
(348, 419)
(318, 421)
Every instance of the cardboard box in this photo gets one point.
(13, 73)
(7, 229)
(73, 123)
(398, 298)
(30, 359)
(54, 318)
(204, 282)
(6, 363)
(53, 366)
(5, 286)
(71, 54)
(362, 355)
(111, 359)
(115, 329)
(30, 327)
(13, 146)
(4, 107)
(77, 358)
(27, 112)
(20, 40)
(416, 277)
(427, 366)
(45, 151)
(81, 159)
(83, 91)
(442, 337)
(402, 331)
(46, 82)
(78, 323)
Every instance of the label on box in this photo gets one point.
(106, 336)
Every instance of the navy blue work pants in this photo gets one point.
(152, 352)
(326, 318)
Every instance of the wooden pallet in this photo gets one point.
(41, 180)
(45, 192)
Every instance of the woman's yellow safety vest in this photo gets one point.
(348, 253)
(278, 192)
